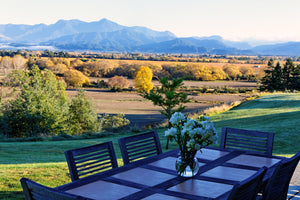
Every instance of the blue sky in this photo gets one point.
(231, 19)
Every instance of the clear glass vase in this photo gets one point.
(186, 167)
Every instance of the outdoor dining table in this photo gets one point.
(156, 178)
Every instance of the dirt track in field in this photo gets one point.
(142, 112)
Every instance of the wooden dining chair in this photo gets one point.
(90, 160)
(249, 188)
(35, 191)
(251, 141)
(140, 146)
(278, 184)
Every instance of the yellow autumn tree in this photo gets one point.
(143, 78)
(76, 78)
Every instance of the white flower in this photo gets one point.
(171, 132)
(203, 123)
(190, 123)
(206, 118)
(184, 131)
(191, 134)
(177, 118)
(199, 131)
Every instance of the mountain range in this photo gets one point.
(108, 36)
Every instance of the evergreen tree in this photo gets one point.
(82, 119)
(287, 74)
(277, 83)
(278, 78)
(167, 97)
(296, 78)
(269, 81)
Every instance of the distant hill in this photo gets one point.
(282, 49)
(120, 40)
(107, 36)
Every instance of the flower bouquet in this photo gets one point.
(191, 135)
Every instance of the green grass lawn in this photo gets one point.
(44, 162)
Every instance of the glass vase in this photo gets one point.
(187, 167)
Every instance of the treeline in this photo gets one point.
(281, 78)
(202, 58)
(109, 68)
(172, 70)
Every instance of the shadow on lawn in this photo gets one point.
(153, 120)
(8, 195)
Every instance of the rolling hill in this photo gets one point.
(107, 36)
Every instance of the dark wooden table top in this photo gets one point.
(156, 178)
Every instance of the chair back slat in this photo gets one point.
(278, 184)
(93, 159)
(251, 141)
(90, 160)
(249, 188)
(139, 146)
(95, 154)
(35, 191)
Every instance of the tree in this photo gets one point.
(81, 117)
(6, 64)
(40, 108)
(167, 97)
(247, 73)
(278, 78)
(143, 79)
(18, 62)
(287, 74)
(118, 83)
(232, 71)
(76, 78)
(272, 79)
(296, 78)
(58, 68)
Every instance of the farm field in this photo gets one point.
(141, 112)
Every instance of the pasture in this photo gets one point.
(142, 112)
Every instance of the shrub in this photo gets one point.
(110, 122)
(82, 119)
(118, 83)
